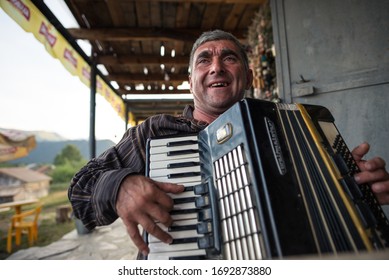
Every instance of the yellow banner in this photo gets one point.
(32, 20)
(15, 144)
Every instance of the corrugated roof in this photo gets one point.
(24, 174)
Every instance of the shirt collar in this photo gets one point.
(188, 114)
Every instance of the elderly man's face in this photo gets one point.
(218, 78)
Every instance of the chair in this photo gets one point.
(20, 224)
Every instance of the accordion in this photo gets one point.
(265, 181)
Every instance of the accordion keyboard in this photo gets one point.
(176, 160)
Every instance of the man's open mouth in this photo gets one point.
(215, 85)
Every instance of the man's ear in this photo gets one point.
(190, 83)
(250, 78)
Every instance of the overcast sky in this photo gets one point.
(37, 93)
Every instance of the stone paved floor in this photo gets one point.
(107, 243)
(104, 243)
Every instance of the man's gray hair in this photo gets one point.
(217, 35)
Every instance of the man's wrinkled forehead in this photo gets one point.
(216, 48)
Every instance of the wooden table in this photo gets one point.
(17, 205)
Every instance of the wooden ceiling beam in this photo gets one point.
(208, 1)
(142, 59)
(141, 78)
(142, 34)
(156, 110)
(153, 91)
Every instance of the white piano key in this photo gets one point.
(182, 181)
(167, 255)
(184, 216)
(184, 194)
(182, 206)
(184, 223)
(164, 141)
(164, 149)
(191, 184)
(163, 247)
(177, 223)
(164, 172)
(177, 235)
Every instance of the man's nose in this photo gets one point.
(217, 66)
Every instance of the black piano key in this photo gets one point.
(184, 240)
(181, 143)
(184, 211)
(182, 228)
(183, 175)
(183, 164)
(188, 189)
(184, 200)
(182, 152)
(201, 189)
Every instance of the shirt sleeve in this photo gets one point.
(93, 190)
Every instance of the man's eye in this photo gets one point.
(203, 60)
(230, 58)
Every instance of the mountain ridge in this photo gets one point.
(46, 151)
(50, 144)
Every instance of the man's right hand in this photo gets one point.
(143, 201)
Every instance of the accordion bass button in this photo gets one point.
(205, 215)
(204, 227)
(201, 189)
(202, 202)
(205, 242)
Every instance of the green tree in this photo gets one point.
(69, 154)
(67, 163)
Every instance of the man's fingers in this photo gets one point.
(375, 163)
(360, 151)
(135, 236)
(383, 198)
(371, 176)
(169, 187)
(143, 201)
(158, 213)
(152, 228)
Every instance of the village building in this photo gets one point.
(19, 183)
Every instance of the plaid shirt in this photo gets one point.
(93, 190)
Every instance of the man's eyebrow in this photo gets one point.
(204, 53)
(224, 52)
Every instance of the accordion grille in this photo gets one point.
(240, 229)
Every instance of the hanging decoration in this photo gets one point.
(262, 55)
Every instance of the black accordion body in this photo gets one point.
(265, 181)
